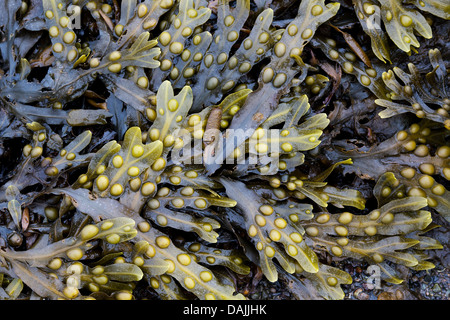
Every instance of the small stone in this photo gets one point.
(399, 295)
(361, 295)
(436, 288)
(264, 295)
(386, 296)
(368, 286)
(439, 268)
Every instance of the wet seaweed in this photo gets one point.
(181, 145)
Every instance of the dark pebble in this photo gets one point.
(348, 268)
(264, 295)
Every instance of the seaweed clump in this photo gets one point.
(175, 146)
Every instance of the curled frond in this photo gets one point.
(427, 96)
